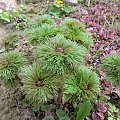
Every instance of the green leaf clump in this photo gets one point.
(9, 15)
(40, 20)
(41, 33)
(59, 10)
(70, 28)
(84, 85)
(59, 55)
(38, 86)
(111, 65)
(76, 31)
(10, 64)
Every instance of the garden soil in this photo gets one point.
(8, 108)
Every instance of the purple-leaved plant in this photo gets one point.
(100, 20)
(99, 113)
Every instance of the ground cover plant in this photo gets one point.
(103, 25)
(111, 63)
(38, 86)
(9, 15)
(76, 31)
(74, 72)
(57, 56)
(10, 63)
(60, 9)
(41, 33)
(60, 55)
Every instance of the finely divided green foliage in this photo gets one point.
(83, 85)
(76, 31)
(38, 86)
(10, 63)
(41, 33)
(40, 20)
(70, 23)
(70, 28)
(59, 55)
(111, 65)
(45, 19)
